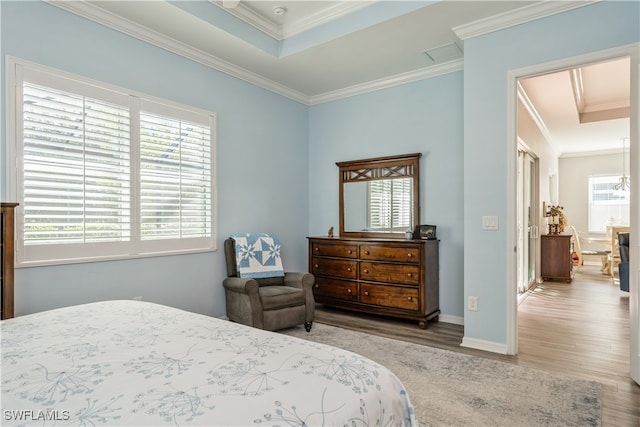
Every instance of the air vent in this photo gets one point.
(444, 53)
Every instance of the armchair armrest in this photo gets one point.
(241, 285)
(299, 280)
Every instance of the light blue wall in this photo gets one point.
(425, 117)
(262, 172)
(276, 158)
(488, 59)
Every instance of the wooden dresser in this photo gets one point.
(556, 262)
(391, 277)
(8, 252)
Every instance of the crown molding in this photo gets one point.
(252, 18)
(324, 16)
(281, 32)
(533, 113)
(94, 13)
(608, 151)
(387, 82)
(517, 17)
(89, 11)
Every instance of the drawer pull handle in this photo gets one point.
(349, 251)
(349, 269)
(409, 275)
(410, 298)
(366, 293)
(317, 249)
(316, 266)
(366, 252)
(316, 286)
(349, 291)
(409, 255)
(366, 271)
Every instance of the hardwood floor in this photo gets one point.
(579, 330)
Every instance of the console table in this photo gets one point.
(556, 262)
(392, 277)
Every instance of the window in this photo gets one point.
(105, 174)
(606, 205)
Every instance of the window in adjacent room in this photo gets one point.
(103, 173)
(607, 205)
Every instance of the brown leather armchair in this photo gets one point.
(269, 303)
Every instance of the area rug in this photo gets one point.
(455, 389)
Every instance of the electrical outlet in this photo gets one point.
(472, 303)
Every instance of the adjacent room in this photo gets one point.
(435, 186)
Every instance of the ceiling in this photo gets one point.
(317, 51)
(584, 109)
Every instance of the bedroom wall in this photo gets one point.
(488, 60)
(262, 158)
(425, 117)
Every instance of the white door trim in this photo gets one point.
(634, 296)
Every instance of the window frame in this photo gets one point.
(17, 71)
(612, 179)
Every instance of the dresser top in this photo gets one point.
(370, 239)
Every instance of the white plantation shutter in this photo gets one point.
(76, 168)
(104, 174)
(175, 185)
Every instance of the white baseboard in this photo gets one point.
(456, 320)
(490, 346)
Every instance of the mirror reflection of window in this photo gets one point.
(390, 204)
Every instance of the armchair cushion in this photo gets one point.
(276, 297)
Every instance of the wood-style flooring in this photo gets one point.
(579, 329)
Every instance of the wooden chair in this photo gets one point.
(603, 256)
(614, 256)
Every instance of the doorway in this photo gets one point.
(544, 165)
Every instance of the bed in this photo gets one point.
(138, 363)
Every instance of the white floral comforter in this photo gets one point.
(137, 363)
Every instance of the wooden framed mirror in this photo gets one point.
(380, 197)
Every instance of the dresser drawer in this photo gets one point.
(334, 267)
(405, 274)
(390, 253)
(335, 288)
(333, 250)
(389, 296)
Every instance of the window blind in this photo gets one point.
(175, 185)
(76, 168)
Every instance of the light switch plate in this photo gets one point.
(490, 222)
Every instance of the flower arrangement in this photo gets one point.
(557, 217)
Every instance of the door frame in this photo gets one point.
(632, 51)
(528, 231)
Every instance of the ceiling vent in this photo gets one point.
(444, 53)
